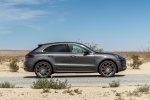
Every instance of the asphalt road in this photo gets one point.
(83, 80)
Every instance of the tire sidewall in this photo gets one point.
(100, 66)
(40, 76)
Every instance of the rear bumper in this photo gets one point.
(28, 66)
(28, 69)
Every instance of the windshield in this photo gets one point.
(89, 48)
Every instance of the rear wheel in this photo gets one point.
(107, 68)
(43, 69)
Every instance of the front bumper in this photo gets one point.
(121, 65)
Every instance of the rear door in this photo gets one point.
(79, 61)
(58, 55)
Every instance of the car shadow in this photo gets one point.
(76, 76)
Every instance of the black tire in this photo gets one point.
(107, 68)
(43, 69)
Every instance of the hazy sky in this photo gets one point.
(115, 25)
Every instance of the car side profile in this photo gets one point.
(72, 57)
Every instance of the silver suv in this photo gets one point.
(71, 57)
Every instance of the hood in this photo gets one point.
(108, 53)
(105, 53)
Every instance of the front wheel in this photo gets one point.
(107, 68)
(43, 69)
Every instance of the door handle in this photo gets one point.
(73, 56)
(50, 56)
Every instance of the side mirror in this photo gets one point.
(86, 52)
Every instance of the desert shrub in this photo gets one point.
(1, 60)
(6, 85)
(22, 59)
(40, 84)
(144, 88)
(69, 91)
(13, 66)
(78, 91)
(14, 59)
(95, 47)
(139, 91)
(52, 84)
(119, 96)
(72, 92)
(114, 84)
(46, 90)
(136, 62)
(105, 86)
(134, 93)
(92, 46)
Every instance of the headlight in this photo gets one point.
(120, 57)
(117, 56)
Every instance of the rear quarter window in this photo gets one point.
(34, 50)
(56, 48)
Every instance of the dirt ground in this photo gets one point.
(88, 93)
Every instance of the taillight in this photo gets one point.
(29, 56)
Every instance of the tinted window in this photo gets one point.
(35, 49)
(56, 48)
(76, 48)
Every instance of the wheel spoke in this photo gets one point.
(43, 69)
(108, 68)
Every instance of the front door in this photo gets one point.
(81, 62)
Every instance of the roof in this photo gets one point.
(58, 43)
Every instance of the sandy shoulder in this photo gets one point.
(88, 93)
(144, 69)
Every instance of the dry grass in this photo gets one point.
(10, 55)
(10, 59)
(72, 92)
(13, 53)
(128, 55)
(114, 84)
(84, 93)
(6, 85)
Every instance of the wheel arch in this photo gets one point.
(108, 60)
(45, 61)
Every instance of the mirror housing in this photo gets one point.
(86, 52)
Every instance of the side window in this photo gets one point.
(56, 48)
(76, 48)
